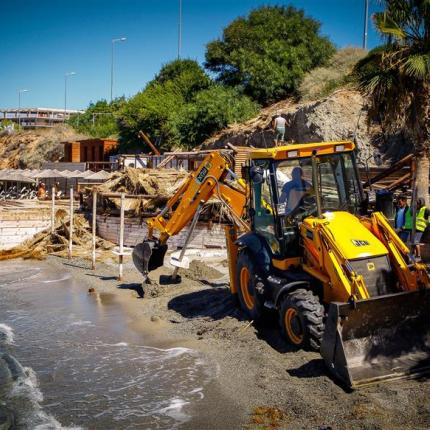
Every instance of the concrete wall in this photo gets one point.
(17, 226)
(135, 230)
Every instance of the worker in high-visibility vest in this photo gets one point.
(422, 221)
(403, 219)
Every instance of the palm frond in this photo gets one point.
(417, 66)
(387, 26)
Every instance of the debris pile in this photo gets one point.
(57, 242)
(153, 188)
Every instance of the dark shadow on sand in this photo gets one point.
(217, 303)
(134, 287)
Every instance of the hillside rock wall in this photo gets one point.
(344, 115)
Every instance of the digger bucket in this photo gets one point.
(383, 338)
(148, 256)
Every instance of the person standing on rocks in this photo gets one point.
(279, 125)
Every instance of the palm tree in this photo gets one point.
(396, 75)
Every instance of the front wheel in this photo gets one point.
(246, 283)
(302, 319)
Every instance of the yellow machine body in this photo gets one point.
(368, 293)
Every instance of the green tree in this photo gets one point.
(397, 76)
(153, 109)
(99, 119)
(268, 52)
(210, 111)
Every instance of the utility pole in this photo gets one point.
(366, 23)
(19, 106)
(119, 39)
(180, 30)
(66, 75)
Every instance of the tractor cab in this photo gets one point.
(291, 183)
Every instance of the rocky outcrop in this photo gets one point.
(31, 148)
(344, 115)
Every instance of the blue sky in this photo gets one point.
(41, 40)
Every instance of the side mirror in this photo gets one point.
(256, 174)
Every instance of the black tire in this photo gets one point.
(302, 319)
(246, 282)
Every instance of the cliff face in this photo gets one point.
(344, 115)
(31, 148)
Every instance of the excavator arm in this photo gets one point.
(209, 180)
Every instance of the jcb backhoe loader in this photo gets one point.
(302, 243)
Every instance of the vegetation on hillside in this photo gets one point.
(260, 58)
(397, 76)
(181, 107)
(322, 81)
(99, 119)
(268, 53)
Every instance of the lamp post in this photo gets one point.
(119, 39)
(66, 75)
(366, 23)
(19, 106)
(180, 29)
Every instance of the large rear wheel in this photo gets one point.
(302, 319)
(246, 283)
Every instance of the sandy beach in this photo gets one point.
(260, 382)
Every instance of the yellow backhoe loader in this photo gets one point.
(303, 244)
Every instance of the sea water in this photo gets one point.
(71, 360)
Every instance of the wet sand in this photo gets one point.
(261, 382)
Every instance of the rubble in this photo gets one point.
(57, 242)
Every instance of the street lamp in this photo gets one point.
(180, 29)
(19, 105)
(366, 23)
(119, 39)
(66, 75)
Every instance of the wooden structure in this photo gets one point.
(94, 152)
(398, 175)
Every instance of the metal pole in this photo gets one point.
(19, 109)
(366, 23)
(19, 106)
(111, 73)
(53, 209)
(121, 237)
(413, 207)
(94, 229)
(66, 75)
(65, 96)
(71, 224)
(187, 240)
(180, 30)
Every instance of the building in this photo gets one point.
(94, 152)
(37, 117)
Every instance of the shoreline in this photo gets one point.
(261, 381)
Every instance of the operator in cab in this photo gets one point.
(294, 191)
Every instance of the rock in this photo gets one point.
(6, 418)
(343, 115)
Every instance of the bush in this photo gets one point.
(268, 53)
(154, 110)
(322, 81)
(99, 120)
(212, 110)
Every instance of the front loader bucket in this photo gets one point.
(148, 256)
(383, 338)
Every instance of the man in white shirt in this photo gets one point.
(279, 126)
